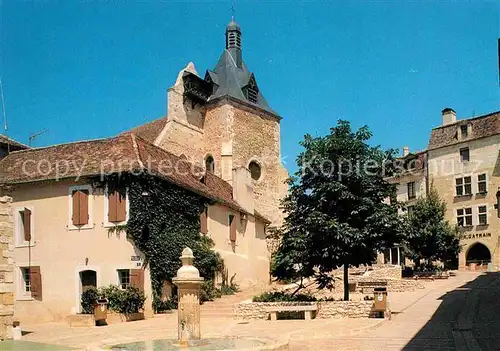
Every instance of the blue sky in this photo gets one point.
(85, 70)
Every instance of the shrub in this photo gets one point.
(407, 272)
(228, 290)
(208, 291)
(160, 306)
(282, 296)
(130, 300)
(88, 300)
(114, 296)
(232, 287)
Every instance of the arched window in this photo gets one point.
(210, 163)
(255, 170)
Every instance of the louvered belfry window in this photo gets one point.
(252, 91)
(233, 40)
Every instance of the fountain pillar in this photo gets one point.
(188, 282)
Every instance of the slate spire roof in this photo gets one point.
(231, 76)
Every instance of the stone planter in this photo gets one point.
(88, 320)
(326, 309)
(164, 314)
(81, 320)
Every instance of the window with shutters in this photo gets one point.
(137, 278)
(80, 207)
(26, 288)
(124, 278)
(29, 283)
(116, 207)
(24, 226)
(204, 221)
(232, 228)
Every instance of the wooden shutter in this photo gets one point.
(112, 204)
(36, 283)
(137, 278)
(232, 228)
(121, 206)
(117, 206)
(76, 208)
(80, 207)
(203, 221)
(27, 224)
(84, 207)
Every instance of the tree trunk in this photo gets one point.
(301, 286)
(346, 282)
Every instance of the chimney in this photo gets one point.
(406, 151)
(449, 116)
(243, 189)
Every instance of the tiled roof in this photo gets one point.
(6, 140)
(69, 160)
(482, 126)
(415, 161)
(124, 153)
(150, 130)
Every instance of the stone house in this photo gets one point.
(7, 145)
(411, 184)
(412, 181)
(464, 167)
(62, 214)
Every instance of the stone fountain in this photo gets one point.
(188, 282)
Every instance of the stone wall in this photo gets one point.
(393, 285)
(384, 272)
(6, 268)
(344, 309)
(326, 309)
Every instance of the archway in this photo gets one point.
(478, 254)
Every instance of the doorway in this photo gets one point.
(88, 279)
(478, 254)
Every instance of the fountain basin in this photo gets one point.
(221, 344)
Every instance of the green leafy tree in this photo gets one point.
(429, 236)
(335, 210)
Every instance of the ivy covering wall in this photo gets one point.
(163, 220)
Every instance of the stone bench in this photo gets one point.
(308, 310)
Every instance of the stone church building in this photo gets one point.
(222, 121)
(222, 139)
